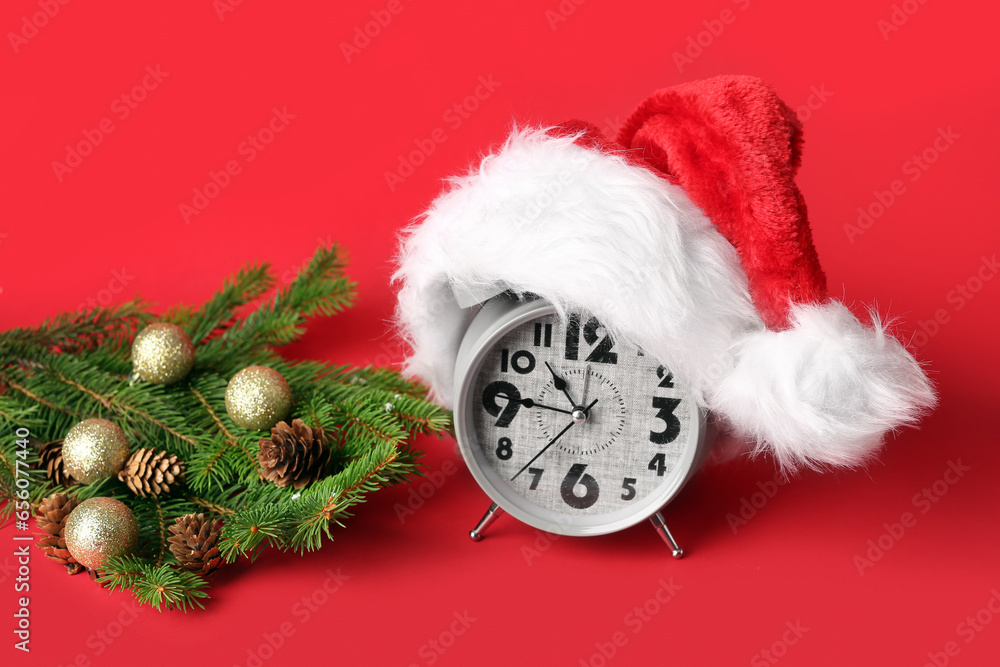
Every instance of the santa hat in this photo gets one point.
(688, 237)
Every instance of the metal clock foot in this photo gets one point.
(491, 515)
(661, 527)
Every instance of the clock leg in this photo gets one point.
(491, 515)
(661, 527)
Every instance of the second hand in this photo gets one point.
(586, 411)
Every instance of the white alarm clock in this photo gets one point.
(567, 429)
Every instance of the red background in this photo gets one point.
(115, 218)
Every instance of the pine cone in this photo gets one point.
(194, 541)
(294, 455)
(150, 473)
(50, 455)
(52, 514)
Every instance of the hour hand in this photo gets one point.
(528, 403)
(560, 385)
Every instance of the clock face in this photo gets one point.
(572, 431)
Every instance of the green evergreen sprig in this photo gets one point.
(156, 585)
(77, 365)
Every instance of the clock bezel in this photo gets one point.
(496, 318)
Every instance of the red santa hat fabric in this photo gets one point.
(734, 147)
(687, 237)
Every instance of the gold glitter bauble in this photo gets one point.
(162, 353)
(99, 529)
(94, 449)
(258, 397)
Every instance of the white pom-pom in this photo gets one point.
(825, 391)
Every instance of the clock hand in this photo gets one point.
(528, 403)
(560, 384)
(586, 383)
(586, 411)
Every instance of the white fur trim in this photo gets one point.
(587, 231)
(825, 391)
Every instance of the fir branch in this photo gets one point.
(247, 531)
(14, 414)
(386, 379)
(76, 366)
(120, 573)
(329, 501)
(320, 289)
(249, 284)
(179, 314)
(230, 439)
(74, 332)
(104, 401)
(159, 424)
(170, 587)
(156, 585)
(212, 507)
(115, 399)
(41, 401)
(162, 533)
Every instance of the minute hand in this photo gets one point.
(586, 410)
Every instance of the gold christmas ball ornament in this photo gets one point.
(94, 449)
(162, 353)
(99, 529)
(258, 397)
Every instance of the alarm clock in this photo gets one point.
(567, 429)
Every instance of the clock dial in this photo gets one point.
(573, 424)
(607, 423)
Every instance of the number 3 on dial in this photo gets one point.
(666, 407)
